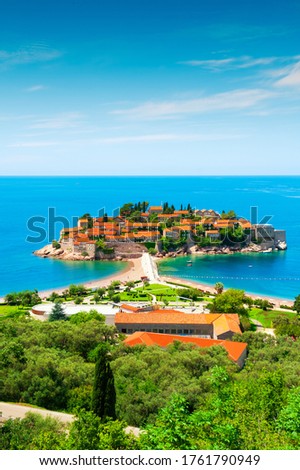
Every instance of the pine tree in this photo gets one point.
(57, 313)
(104, 393)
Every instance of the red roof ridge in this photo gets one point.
(234, 349)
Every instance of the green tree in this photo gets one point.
(172, 429)
(219, 287)
(57, 313)
(296, 305)
(54, 297)
(27, 298)
(285, 326)
(115, 284)
(101, 292)
(116, 298)
(88, 432)
(231, 301)
(83, 317)
(77, 290)
(289, 416)
(55, 244)
(126, 209)
(104, 394)
(190, 293)
(32, 433)
(129, 285)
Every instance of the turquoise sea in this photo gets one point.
(275, 274)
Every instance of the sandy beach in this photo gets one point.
(133, 272)
(135, 269)
(275, 300)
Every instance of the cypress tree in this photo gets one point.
(104, 393)
(57, 313)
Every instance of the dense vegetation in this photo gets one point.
(185, 397)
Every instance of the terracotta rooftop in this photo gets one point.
(131, 308)
(171, 317)
(227, 322)
(234, 349)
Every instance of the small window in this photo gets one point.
(185, 332)
(154, 330)
(124, 330)
(173, 332)
(160, 330)
(179, 332)
(129, 330)
(167, 331)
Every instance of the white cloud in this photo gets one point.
(32, 144)
(28, 55)
(34, 88)
(209, 64)
(168, 138)
(233, 100)
(62, 121)
(242, 62)
(291, 78)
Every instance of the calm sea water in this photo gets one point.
(275, 274)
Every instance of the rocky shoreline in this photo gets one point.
(126, 251)
(121, 253)
(225, 250)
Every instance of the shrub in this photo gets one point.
(55, 244)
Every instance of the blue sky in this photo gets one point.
(94, 87)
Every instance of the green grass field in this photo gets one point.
(7, 311)
(266, 317)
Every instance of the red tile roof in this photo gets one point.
(235, 349)
(222, 322)
(169, 317)
(227, 322)
(131, 308)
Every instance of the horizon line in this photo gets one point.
(153, 176)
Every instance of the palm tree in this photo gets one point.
(219, 287)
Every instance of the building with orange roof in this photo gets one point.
(212, 234)
(224, 223)
(237, 351)
(127, 308)
(82, 224)
(168, 216)
(155, 209)
(176, 322)
(174, 231)
(207, 213)
(181, 212)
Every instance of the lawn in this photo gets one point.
(134, 296)
(10, 311)
(266, 317)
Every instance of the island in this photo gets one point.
(162, 231)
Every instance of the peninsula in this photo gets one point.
(162, 231)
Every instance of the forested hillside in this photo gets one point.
(184, 397)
